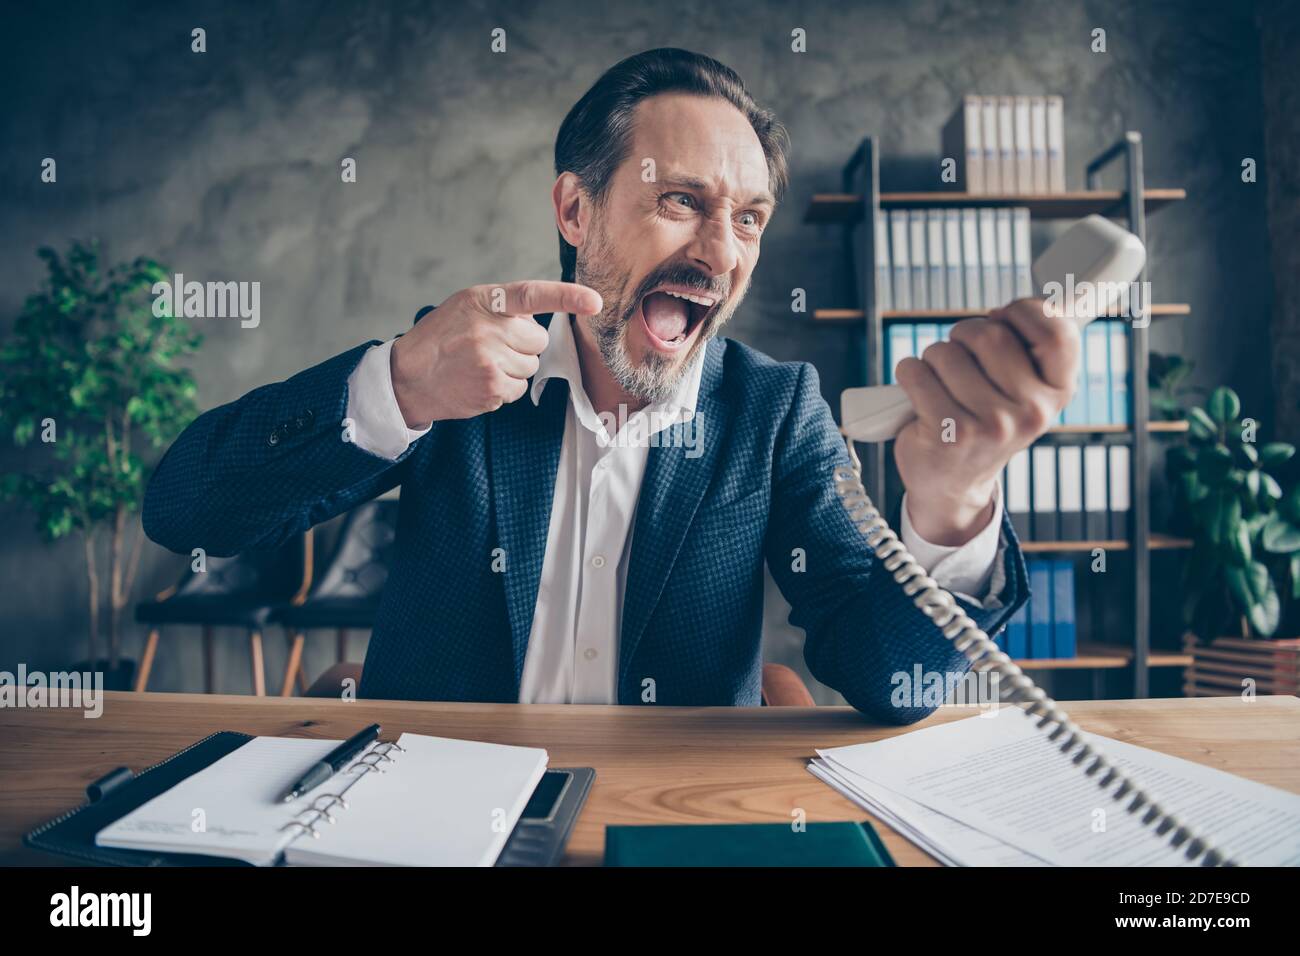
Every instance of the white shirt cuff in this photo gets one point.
(378, 425)
(972, 570)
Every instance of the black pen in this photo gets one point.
(331, 763)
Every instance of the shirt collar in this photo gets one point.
(560, 360)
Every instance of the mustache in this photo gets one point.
(687, 276)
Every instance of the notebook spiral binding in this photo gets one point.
(321, 811)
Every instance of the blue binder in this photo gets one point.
(1040, 610)
(1017, 634)
(901, 345)
(1096, 357)
(1118, 373)
(1076, 413)
(1063, 620)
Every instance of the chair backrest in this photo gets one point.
(271, 575)
(358, 568)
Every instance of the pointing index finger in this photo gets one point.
(531, 296)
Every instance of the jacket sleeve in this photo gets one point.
(270, 465)
(862, 630)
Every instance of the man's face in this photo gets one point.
(674, 240)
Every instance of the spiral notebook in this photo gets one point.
(421, 801)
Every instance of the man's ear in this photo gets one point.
(572, 209)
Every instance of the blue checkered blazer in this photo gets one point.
(272, 464)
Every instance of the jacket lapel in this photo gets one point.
(524, 450)
(671, 492)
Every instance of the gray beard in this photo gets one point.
(655, 379)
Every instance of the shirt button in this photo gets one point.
(598, 561)
(589, 653)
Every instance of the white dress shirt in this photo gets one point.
(572, 654)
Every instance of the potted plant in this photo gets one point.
(87, 378)
(1242, 511)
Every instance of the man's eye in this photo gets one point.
(749, 220)
(685, 200)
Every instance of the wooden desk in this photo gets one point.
(653, 764)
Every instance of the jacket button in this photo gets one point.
(273, 439)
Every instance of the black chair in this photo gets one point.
(346, 593)
(242, 591)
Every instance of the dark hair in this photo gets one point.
(594, 138)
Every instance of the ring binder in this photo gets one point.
(305, 828)
(374, 751)
(336, 799)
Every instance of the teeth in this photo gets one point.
(697, 299)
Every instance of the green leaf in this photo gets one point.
(1223, 516)
(1167, 408)
(1238, 550)
(1281, 536)
(1267, 614)
(1252, 588)
(1223, 405)
(1275, 453)
(1200, 425)
(1254, 526)
(1239, 584)
(1295, 577)
(1193, 489)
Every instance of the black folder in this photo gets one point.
(538, 838)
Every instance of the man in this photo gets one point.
(542, 554)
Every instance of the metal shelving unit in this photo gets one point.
(859, 206)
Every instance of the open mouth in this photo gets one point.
(671, 315)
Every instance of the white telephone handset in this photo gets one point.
(1107, 255)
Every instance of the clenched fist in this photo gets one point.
(477, 350)
(994, 387)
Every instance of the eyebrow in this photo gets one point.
(690, 182)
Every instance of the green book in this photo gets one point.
(746, 844)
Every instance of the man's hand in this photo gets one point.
(477, 350)
(994, 387)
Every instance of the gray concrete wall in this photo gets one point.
(1279, 23)
(225, 165)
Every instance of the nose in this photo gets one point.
(714, 247)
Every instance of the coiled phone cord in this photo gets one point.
(942, 608)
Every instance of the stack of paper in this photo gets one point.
(993, 790)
